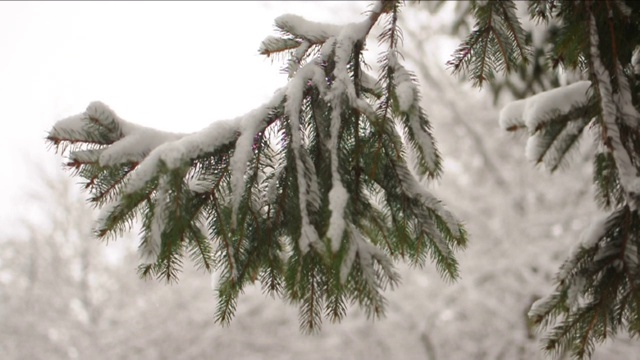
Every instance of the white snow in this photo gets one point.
(176, 153)
(367, 253)
(298, 26)
(626, 170)
(338, 197)
(541, 306)
(511, 116)
(70, 128)
(574, 292)
(534, 111)
(135, 146)
(347, 263)
(592, 234)
(293, 103)
(86, 156)
(103, 114)
(635, 60)
(327, 48)
(272, 184)
(150, 248)
(105, 211)
(249, 128)
(296, 59)
(272, 44)
(560, 100)
(534, 148)
(342, 86)
(405, 88)
(201, 224)
(424, 139)
(588, 239)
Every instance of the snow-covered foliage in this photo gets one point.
(599, 277)
(282, 193)
(314, 199)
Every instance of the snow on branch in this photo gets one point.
(302, 28)
(416, 126)
(294, 95)
(626, 170)
(180, 152)
(272, 44)
(554, 119)
(533, 112)
(283, 188)
(119, 141)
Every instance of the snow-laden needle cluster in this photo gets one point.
(310, 194)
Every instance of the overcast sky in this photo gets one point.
(175, 66)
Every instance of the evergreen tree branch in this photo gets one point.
(496, 43)
(282, 194)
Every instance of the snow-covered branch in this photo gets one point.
(611, 108)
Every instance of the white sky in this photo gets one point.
(175, 66)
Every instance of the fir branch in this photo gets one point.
(497, 42)
(257, 196)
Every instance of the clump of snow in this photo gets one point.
(511, 116)
(296, 59)
(366, 254)
(405, 88)
(338, 197)
(150, 248)
(534, 111)
(135, 146)
(201, 225)
(104, 115)
(327, 48)
(104, 214)
(178, 152)
(250, 125)
(298, 26)
(575, 290)
(588, 239)
(308, 236)
(560, 99)
(272, 44)
(86, 156)
(541, 306)
(534, 148)
(347, 263)
(272, 184)
(424, 139)
(71, 128)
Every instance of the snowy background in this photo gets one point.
(178, 66)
